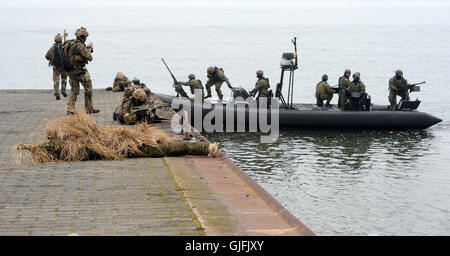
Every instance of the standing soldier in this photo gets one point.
(261, 87)
(58, 67)
(79, 55)
(324, 92)
(397, 86)
(194, 84)
(344, 84)
(357, 90)
(216, 77)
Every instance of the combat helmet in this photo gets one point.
(191, 76)
(58, 38)
(210, 70)
(81, 32)
(139, 95)
(119, 75)
(259, 72)
(324, 77)
(357, 74)
(347, 71)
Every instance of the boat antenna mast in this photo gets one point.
(289, 62)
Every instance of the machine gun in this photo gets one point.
(412, 87)
(406, 104)
(177, 87)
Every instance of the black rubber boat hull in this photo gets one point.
(294, 119)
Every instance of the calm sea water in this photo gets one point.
(336, 182)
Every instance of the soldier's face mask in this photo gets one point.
(398, 76)
(82, 38)
(347, 75)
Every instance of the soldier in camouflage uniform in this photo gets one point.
(357, 90)
(397, 86)
(120, 82)
(57, 72)
(261, 87)
(216, 77)
(344, 85)
(324, 92)
(194, 84)
(79, 55)
(137, 108)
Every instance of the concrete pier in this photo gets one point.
(188, 195)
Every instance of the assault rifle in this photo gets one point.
(148, 111)
(65, 36)
(177, 87)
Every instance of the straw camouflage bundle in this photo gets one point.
(77, 137)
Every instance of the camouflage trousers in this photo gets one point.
(217, 84)
(393, 98)
(321, 98)
(175, 148)
(75, 78)
(57, 74)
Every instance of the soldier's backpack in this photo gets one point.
(58, 56)
(67, 54)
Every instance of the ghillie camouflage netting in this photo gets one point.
(77, 137)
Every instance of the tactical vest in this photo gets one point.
(399, 82)
(73, 55)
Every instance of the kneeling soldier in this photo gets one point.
(324, 92)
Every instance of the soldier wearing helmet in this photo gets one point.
(324, 92)
(59, 74)
(357, 90)
(194, 84)
(134, 109)
(397, 87)
(79, 55)
(216, 77)
(344, 85)
(261, 87)
(120, 82)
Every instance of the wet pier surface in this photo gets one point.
(148, 196)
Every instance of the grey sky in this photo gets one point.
(233, 3)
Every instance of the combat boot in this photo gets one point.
(93, 111)
(57, 96)
(208, 96)
(64, 93)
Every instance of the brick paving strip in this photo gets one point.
(147, 196)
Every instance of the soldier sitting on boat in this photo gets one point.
(358, 97)
(324, 92)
